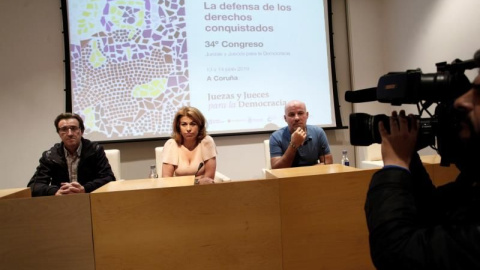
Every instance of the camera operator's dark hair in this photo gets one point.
(68, 115)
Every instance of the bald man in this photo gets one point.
(298, 144)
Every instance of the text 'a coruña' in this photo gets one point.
(222, 78)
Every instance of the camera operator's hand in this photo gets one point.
(399, 145)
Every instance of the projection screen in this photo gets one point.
(134, 63)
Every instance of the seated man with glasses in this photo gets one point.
(76, 165)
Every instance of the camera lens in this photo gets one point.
(364, 129)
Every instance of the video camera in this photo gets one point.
(414, 87)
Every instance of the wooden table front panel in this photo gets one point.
(440, 175)
(46, 233)
(323, 221)
(223, 226)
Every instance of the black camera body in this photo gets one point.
(414, 87)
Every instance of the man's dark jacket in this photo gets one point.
(414, 225)
(93, 171)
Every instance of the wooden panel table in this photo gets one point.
(308, 170)
(15, 193)
(440, 175)
(148, 183)
(46, 233)
(323, 221)
(233, 225)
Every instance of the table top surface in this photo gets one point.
(309, 170)
(149, 183)
(13, 191)
(431, 159)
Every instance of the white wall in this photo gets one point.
(32, 85)
(32, 95)
(396, 35)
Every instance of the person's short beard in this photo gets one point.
(467, 155)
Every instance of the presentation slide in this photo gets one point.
(135, 63)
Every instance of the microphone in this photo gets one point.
(358, 96)
(195, 175)
(199, 167)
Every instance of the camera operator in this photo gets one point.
(414, 225)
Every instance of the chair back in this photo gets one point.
(158, 160)
(266, 146)
(113, 156)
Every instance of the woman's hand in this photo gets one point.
(399, 145)
(205, 180)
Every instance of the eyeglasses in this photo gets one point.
(66, 128)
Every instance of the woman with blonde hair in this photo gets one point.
(189, 147)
